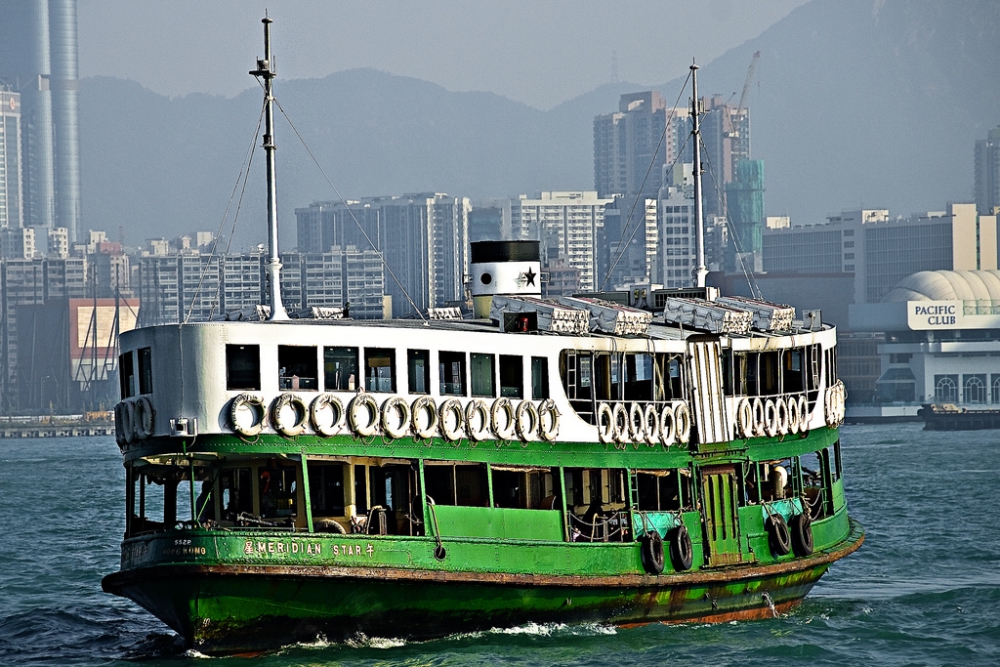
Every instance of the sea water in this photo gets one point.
(923, 590)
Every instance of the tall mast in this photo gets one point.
(266, 72)
(700, 271)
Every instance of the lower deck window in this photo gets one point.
(661, 491)
(457, 484)
(525, 488)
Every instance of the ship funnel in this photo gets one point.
(506, 268)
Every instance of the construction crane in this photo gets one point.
(746, 86)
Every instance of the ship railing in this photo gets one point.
(600, 527)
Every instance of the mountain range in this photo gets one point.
(872, 103)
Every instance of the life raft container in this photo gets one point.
(246, 414)
(326, 414)
(395, 417)
(363, 415)
(289, 414)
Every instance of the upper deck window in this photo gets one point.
(380, 369)
(451, 371)
(638, 377)
(340, 368)
(243, 367)
(418, 369)
(539, 378)
(297, 368)
(127, 375)
(483, 383)
(511, 376)
(145, 371)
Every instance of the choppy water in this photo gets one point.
(924, 589)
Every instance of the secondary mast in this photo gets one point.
(700, 271)
(266, 72)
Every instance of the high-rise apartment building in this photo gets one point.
(988, 173)
(11, 178)
(630, 147)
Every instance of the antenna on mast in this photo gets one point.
(266, 72)
(700, 271)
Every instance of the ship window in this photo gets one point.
(127, 375)
(340, 368)
(638, 377)
(511, 376)
(676, 368)
(525, 488)
(838, 468)
(768, 373)
(752, 368)
(461, 484)
(145, 371)
(596, 503)
(607, 376)
(418, 366)
(451, 371)
(243, 367)
(794, 371)
(326, 488)
(360, 490)
(276, 486)
(776, 480)
(575, 368)
(393, 488)
(816, 483)
(297, 368)
(380, 369)
(659, 490)
(237, 493)
(483, 383)
(539, 378)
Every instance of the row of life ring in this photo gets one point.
(134, 420)
(771, 417)
(836, 398)
(396, 418)
(652, 423)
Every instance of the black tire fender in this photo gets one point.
(802, 534)
(681, 550)
(652, 552)
(778, 537)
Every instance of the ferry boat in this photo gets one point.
(624, 458)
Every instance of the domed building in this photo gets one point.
(942, 339)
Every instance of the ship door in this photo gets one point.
(718, 502)
(709, 408)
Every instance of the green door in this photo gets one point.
(722, 530)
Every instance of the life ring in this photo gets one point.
(472, 409)
(424, 418)
(526, 420)
(652, 552)
(668, 430)
(792, 412)
(119, 432)
(145, 417)
(744, 418)
(777, 535)
(681, 550)
(759, 418)
(683, 418)
(831, 417)
(503, 410)
(841, 402)
(451, 429)
(363, 403)
(326, 414)
(770, 418)
(605, 423)
(395, 417)
(548, 412)
(620, 422)
(781, 416)
(127, 434)
(804, 415)
(280, 419)
(802, 534)
(247, 414)
(651, 422)
(636, 425)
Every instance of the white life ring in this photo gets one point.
(744, 418)
(526, 420)
(548, 420)
(636, 424)
(144, 417)
(651, 422)
(759, 418)
(503, 419)
(620, 422)
(363, 403)
(326, 414)
(668, 426)
(451, 429)
(247, 415)
(770, 418)
(841, 405)
(605, 423)
(682, 415)
(781, 414)
(291, 421)
(828, 401)
(119, 432)
(128, 422)
(473, 408)
(424, 418)
(792, 410)
(803, 406)
(395, 417)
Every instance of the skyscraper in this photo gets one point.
(38, 59)
(627, 143)
(11, 193)
(988, 173)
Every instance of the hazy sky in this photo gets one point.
(538, 52)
